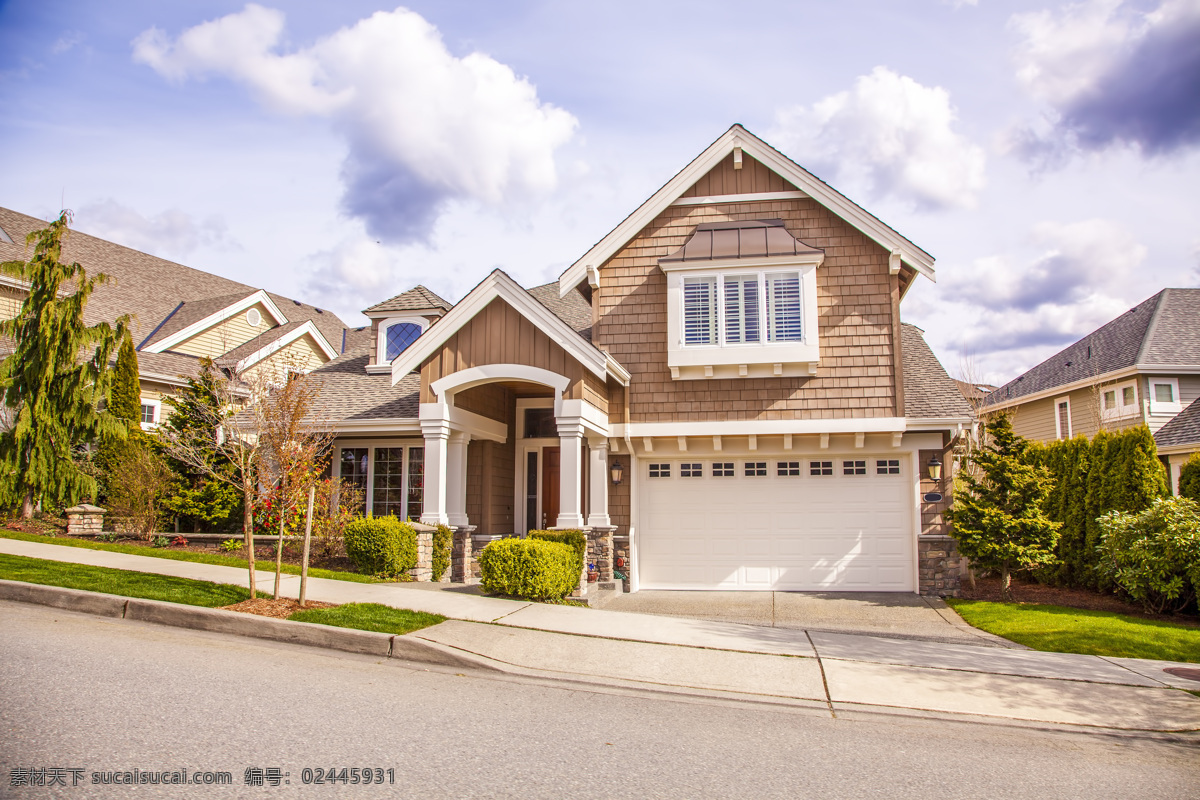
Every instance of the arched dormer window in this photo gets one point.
(396, 334)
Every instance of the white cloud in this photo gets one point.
(1110, 73)
(423, 126)
(169, 234)
(66, 42)
(889, 135)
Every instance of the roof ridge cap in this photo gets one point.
(1152, 327)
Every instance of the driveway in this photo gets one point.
(907, 616)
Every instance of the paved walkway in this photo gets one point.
(834, 671)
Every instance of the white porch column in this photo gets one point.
(598, 482)
(456, 478)
(437, 435)
(570, 478)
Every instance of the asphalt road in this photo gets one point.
(107, 696)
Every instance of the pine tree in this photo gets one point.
(124, 403)
(54, 380)
(999, 517)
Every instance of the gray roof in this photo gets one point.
(571, 309)
(170, 364)
(417, 298)
(1162, 330)
(189, 313)
(928, 391)
(1183, 429)
(758, 238)
(349, 393)
(152, 288)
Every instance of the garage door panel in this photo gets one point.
(838, 532)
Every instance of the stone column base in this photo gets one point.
(938, 565)
(462, 557)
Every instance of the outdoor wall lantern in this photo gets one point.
(617, 472)
(935, 468)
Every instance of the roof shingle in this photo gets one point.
(929, 393)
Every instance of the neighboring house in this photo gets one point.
(974, 393)
(182, 314)
(723, 381)
(1179, 440)
(1141, 368)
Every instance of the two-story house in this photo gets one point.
(1142, 368)
(180, 315)
(723, 382)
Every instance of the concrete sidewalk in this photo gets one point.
(830, 671)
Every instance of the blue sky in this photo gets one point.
(1046, 153)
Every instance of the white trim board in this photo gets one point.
(216, 318)
(283, 341)
(500, 285)
(739, 137)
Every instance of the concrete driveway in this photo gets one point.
(907, 616)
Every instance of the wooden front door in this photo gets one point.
(550, 492)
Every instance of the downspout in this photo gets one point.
(634, 580)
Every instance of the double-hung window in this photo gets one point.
(700, 311)
(721, 310)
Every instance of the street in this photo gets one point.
(114, 696)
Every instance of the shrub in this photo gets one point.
(443, 542)
(1154, 555)
(575, 538)
(1189, 479)
(232, 545)
(139, 480)
(530, 568)
(381, 545)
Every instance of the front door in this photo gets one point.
(550, 492)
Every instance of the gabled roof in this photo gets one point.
(1162, 332)
(929, 393)
(265, 344)
(1183, 430)
(417, 298)
(193, 317)
(499, 285)
(570, 308)
(734, 138)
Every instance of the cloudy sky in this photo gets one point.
(1048, 154)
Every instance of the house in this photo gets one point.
(180, 315)
(720, 392)
(1141, 368)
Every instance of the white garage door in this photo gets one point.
(818, 523)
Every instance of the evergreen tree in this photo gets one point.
(197, 495)
(1069, 462)
(998, 517)
(54, 380)
(1189, 479)
(124, 403)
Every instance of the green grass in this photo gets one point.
(184, 555)
(121, 582)
(369, 617)
(1057, 629)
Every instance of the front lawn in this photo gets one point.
(121, 582)
(369, 617)
(1058, 629)
(220, 559)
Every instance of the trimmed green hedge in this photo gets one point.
(443, 543)
(531, 568)
(577, 539)
(1189, 479)
(381, 545)
(1112, 472)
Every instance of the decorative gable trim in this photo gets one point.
(499, 285)
(181, 336)
(283, 341)
(734, 138)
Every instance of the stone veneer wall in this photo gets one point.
(938, 566)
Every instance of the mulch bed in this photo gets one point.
(1033, 592)
(279, 609)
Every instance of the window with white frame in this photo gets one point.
(1062, 418)
(396, 334)
(151, 413)
(1119, 401)
(746, 300)
(389, 476)
(1164, 396)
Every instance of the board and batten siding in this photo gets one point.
(228, 334)
(857, 302)
(499, 334)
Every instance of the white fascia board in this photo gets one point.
(1066, 388)
(408, 425)
(283, 341)
(218, 317)
(499, 285)
(593, 418)
(761, 427)
(1179, 449)
(737, 136)
(615, 369)
(781, 262)
(1167, 370)
(939, 423)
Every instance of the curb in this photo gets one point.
(403, 647)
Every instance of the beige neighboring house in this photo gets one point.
(1141, 368)
(182, 314)
(722, 385)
